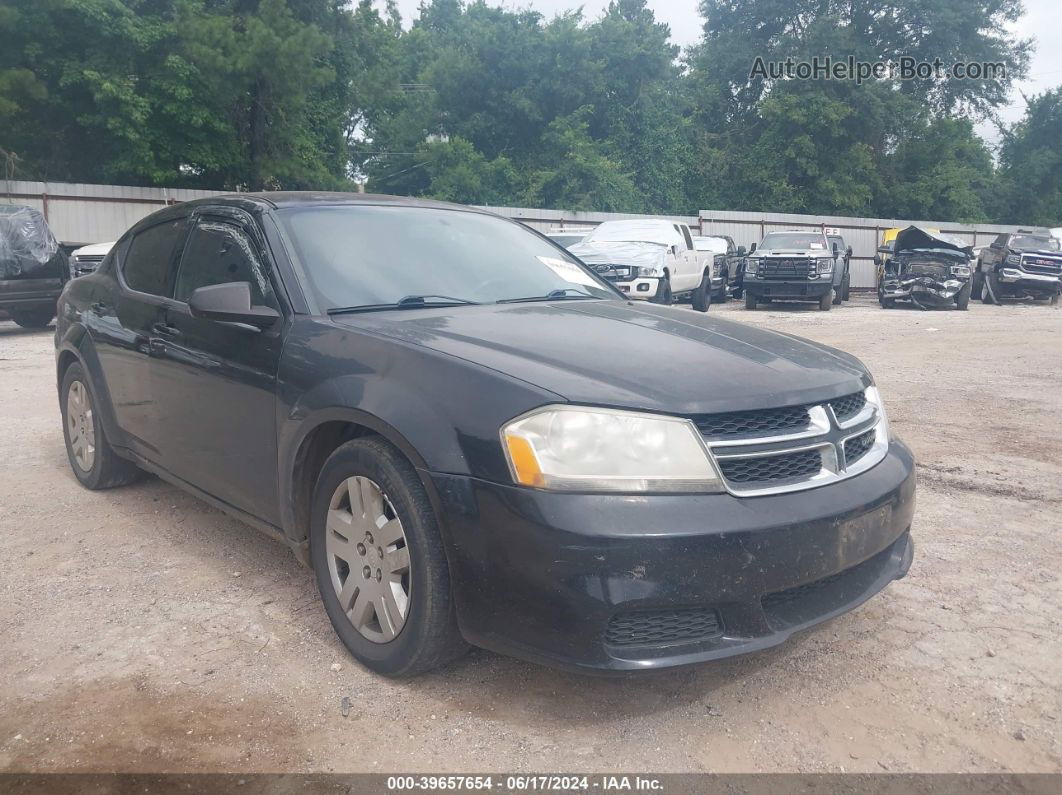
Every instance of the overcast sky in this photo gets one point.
(1042, 22)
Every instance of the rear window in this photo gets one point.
(148, 265)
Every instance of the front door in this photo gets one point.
(216, 381)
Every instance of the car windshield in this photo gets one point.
(375, 256)
(636, 232)
(794, 240)
(1034, 243)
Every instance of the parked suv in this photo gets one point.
(471, 437)
(795, 265)
(1025, 265)
(33, 268)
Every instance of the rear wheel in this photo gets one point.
(379, 561)
(750, 300)
(977, 285)
(95, 464)
(32, 318)
(702, 296)
(827, 301)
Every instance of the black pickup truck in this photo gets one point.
(1025, 265)
(33, 268)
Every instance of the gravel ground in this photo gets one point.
(143, 631)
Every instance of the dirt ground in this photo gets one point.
(142, 631)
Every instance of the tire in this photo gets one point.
(750, 300)
(838, 293)
(827, 301)
(95, 464)
(847, 287)
(427, 635)
(962, 300)
(702, 296)
(978, 284)
(32, 318)
(724, 294)
(663, 295)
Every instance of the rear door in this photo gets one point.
(216, 381)
(123, 322)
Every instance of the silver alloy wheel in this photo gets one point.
(80, 431)
(368, 559)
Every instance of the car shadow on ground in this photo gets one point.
(9, 328)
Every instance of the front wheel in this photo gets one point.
(702, 296)
(962, 300)
(33, 318)
(750, 300)
(838, 293)
(827, 301)
(663, 293)
(379, 561)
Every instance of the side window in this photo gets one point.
(219, 252)
(686, 234)
(148, 264)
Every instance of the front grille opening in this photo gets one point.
(857, 447)
(771, 468)
(661, 627)
(849, 405)
(750, 423)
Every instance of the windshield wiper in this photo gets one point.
(407, 302)
(565, 294)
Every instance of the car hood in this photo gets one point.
(790, 252)
(916, 237)
(646, 255)
(639, 356)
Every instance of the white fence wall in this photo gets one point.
(80, 214)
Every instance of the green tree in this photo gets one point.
(1030, 164)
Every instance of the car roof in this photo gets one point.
(266, 200)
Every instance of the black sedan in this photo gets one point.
(473, 439)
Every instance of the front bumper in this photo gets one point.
(549, 577)
(644, 288)
(1015, 280)
(924, 288)
(797, 289)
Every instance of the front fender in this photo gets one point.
(76, 342)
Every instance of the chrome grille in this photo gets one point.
(745, 423)
(799, 447)
(771, 468)
(849, 405)
(1043, 265)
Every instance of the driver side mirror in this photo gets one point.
(848, 251)
(231, 303)
(752, 248)
(877, 260)
(741, 251)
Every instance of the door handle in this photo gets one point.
(165, 330)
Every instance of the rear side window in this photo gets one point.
(148, 265)
(220, 252)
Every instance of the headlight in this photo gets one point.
(1014, 259)
(751, 265)
(874, 397)
(960, 270)
(572, 448)
(643, 272)
(824, 266)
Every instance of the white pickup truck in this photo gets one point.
(652, 259)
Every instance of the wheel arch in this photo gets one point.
(318, 437)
